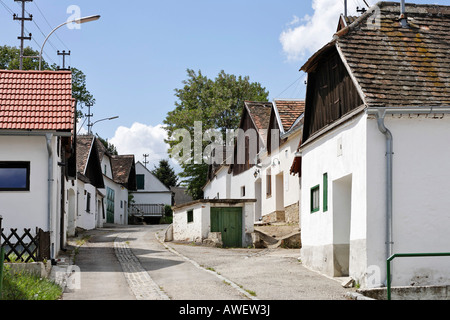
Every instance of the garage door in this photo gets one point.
(228, 221)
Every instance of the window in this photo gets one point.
(140, 180)
(269, 183)
(325, 192)
(190, 216)
(14, 176)
(243, 191)
(88, 202)
(315, 199)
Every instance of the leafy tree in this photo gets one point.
(165, 173)
(109, 146)
(218, 104)
(10, 60)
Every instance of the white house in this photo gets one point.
(279, 191)
(261, 165)
(37, 125)
(151, 195)
(374, 153)
(230, 222)
(89, 212)
(119, 176)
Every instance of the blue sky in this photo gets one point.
(138, 52)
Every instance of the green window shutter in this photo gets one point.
(140, 180)
(325, 192)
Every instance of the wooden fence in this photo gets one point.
(25, 247)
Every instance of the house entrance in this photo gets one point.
(342, 203)
(228, 221)
(258, 207)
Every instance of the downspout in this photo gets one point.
(49, 137)
(389, 193)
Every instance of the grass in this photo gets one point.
(26, 286)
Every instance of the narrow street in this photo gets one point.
(131, 263)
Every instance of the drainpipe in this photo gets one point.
(403, 16)
(389, 194)
(49, 137)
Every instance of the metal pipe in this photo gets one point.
(389, 190)
(49, 137)
(408, 255)
(403, 16)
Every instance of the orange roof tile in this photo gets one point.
(289, 111)
(36, 100)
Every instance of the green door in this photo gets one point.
(228, 221)
(110, 195)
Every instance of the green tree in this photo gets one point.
(165, 173)
(218, 104)
(109, 146)
(10, 60)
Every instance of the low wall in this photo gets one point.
(36, 268)
(409, 293)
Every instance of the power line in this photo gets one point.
(48, 23)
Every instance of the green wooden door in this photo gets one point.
(228, 221)
(110, 195)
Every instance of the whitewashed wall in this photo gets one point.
(29, 209)
(346, 171)
(220, 186)
(285, 187)
(199, 229)
(421, 202)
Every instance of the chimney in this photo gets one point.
(403, 16)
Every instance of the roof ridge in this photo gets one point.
(36, 71)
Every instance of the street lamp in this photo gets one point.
(92, 124)
(78, 21)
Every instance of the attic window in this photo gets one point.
(140, 180)
(14, 176)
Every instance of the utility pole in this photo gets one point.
(89, 116)
(145, 161)
(64, 54)
(22, 34)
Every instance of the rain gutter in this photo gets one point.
(380, 114)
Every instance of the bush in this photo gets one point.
(25, 286)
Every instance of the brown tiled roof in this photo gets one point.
(36, 100)
(124, 170)
(289, 111)
(84, 144)
(397, 66)
(260, 113)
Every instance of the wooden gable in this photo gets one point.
(330, 94)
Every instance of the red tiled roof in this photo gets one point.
(289, 111)
(36, 100)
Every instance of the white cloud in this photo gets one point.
(305, 36)
(143, 139)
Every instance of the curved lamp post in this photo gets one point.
(92, 124)
(79, 21)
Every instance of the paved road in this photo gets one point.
(130, 263)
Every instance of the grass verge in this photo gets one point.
(26, 286)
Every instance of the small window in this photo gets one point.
(315, 199)
(140, 180)
(14, 176)
(190, 216)
(269, 183)
(243, 191)
(88, 202)
(325, 192)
